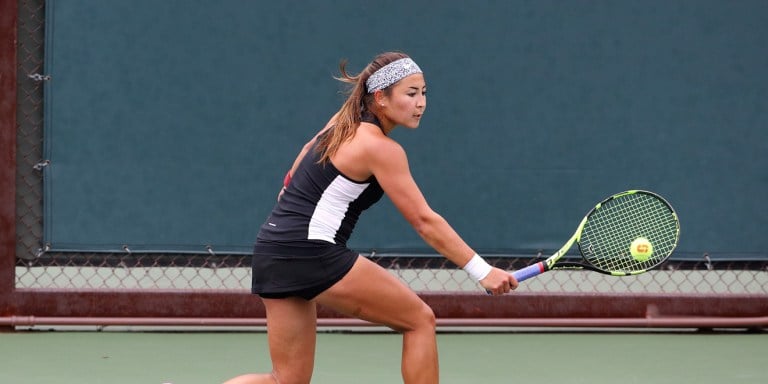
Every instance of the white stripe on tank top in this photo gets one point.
(332, 208)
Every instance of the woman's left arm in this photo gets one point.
(389, 164)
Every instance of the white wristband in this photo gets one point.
(477, 268)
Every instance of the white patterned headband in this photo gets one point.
(391, 73)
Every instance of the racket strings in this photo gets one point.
(610, 229)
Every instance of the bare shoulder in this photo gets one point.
(381, 149)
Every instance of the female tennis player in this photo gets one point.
(301, 259)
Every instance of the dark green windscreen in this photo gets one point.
(169, 124)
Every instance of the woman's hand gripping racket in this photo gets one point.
(626, 234)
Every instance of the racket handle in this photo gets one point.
(529, 271)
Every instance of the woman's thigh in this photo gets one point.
(372, 293)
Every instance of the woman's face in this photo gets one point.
(406, 101)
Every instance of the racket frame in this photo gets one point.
(552, 261)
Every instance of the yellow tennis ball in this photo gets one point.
(641, 249)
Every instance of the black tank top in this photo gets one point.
(320, 203)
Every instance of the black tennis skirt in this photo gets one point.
(304, 269)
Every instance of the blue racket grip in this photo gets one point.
(526, 273)
(529, 271)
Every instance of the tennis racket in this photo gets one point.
(626, 234)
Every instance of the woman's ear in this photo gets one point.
(379, 98)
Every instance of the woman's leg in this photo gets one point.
(371, 293)
(292, 334)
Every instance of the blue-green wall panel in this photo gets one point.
(169, 124)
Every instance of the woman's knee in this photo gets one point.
(422, 318)
(429, 317)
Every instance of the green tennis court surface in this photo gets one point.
(198, 357)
